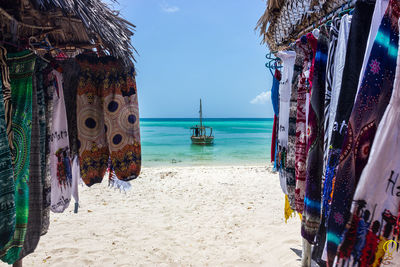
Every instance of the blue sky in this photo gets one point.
(199, 49)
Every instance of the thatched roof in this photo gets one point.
(68, 24)
(284, 20)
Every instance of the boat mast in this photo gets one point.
(201, 117)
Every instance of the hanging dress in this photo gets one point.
(21, 67)
(372, 100)
(285, 87)
(376, 200)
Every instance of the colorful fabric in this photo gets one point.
(276, 77)
(285, 87)
(300, 149)
(339, 63)
(379, 11)
(315, 142)
(358, 36)
(21, 67)
(108, 119)
(34, 225)
(5, 76)
(291, 148)
(372, 100)
(60, 162)
(7, 188)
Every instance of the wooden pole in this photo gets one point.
(18, 264)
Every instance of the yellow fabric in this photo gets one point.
(288, 211)
(380, 253)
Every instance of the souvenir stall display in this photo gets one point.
(68, 111)
(345, 90)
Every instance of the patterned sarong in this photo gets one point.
(21, 69)
(34, 227)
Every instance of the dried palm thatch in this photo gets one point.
(68, 24)
(284, 20)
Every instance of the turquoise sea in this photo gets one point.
(166, 142)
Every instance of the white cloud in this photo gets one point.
(262, 98)
(169, 9)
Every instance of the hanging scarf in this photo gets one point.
(7, 190)
(312, 200)
(372, 100)
(300, 149)
(21, 69)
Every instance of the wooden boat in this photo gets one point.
(202, 135)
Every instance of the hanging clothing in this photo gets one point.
(276, 78)
(21, 67)
(108, 119)
(34, 226)
(285, 87)
(275, 105)
(372, 100)
(300, 150)
(315, 142)
(70, 74)
(291, 150)
(379, 11)
(60, 162)
(7, 190)
(40, 74)
(8, 110)
(330, 74)
(339, 63)
(49, 98)
(76, 178)
(358, 36)
(376, 200)
(273, 139)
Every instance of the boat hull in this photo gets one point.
(202, 140)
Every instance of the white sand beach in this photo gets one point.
(177, 216)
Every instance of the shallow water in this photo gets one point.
(166, 142)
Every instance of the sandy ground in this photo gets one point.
(183, 216)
